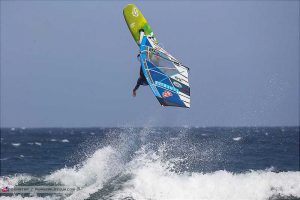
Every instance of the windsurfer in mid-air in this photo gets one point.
(141, 81)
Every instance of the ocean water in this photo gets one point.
(153, 163)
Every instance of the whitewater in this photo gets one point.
(184, 163)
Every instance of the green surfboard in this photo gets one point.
(136, 21)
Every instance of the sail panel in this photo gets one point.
(166, 76)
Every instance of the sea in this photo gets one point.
(202, 163)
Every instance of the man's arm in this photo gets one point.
(138, 83)
(136, 87)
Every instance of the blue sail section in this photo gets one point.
(157, 71)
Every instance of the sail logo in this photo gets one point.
(132, 24)
(167, 93)
(135, 12)
(160, 84)
(176, 84)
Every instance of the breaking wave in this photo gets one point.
(142, 166)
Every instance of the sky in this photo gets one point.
(73, 63)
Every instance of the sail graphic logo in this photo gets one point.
(167, 93)
(176, 84)
(132, 24)
(160, 84)
(135, 12)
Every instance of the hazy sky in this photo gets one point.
(73, 63)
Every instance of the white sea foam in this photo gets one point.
(154, 179)
(237, 138)
(95, 171)
(53, 140)
(38, 143)
(16, 144)
(65, 140)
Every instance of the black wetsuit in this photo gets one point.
(141, 81)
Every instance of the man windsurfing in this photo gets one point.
(141, 80)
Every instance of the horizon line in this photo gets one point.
(92, 127)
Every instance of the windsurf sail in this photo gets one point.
(166, 76)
